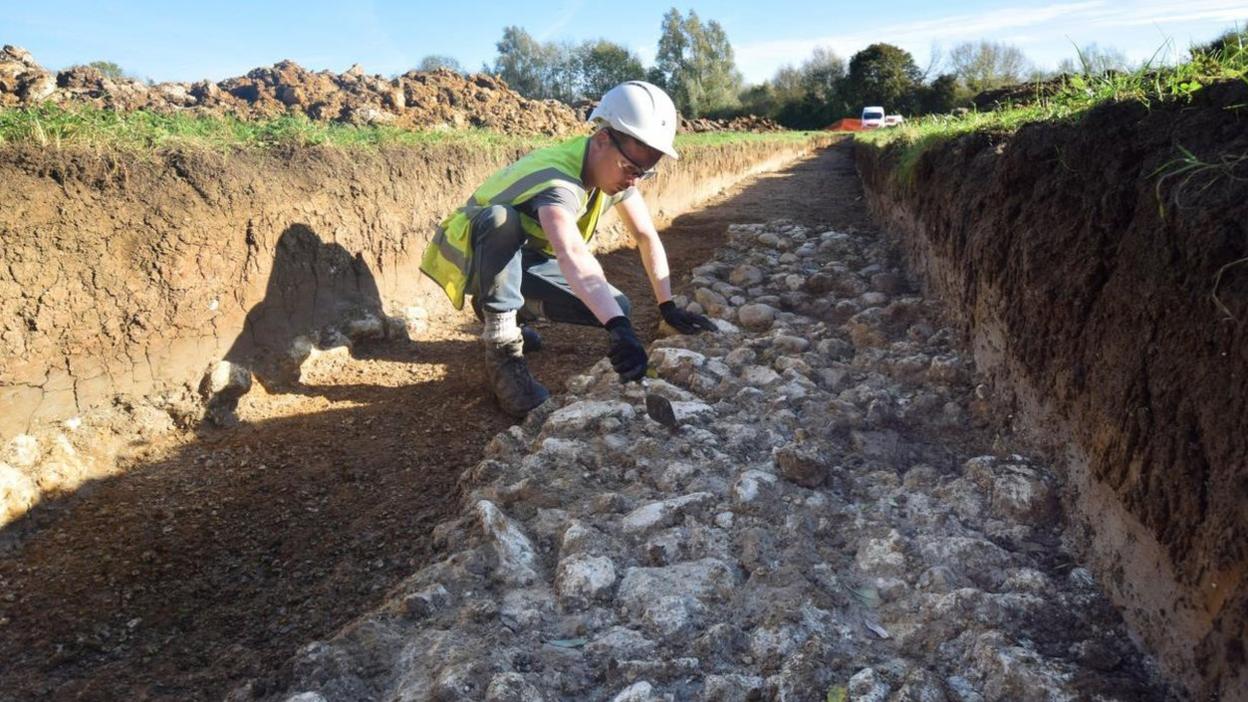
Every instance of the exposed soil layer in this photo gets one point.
(126, 276)
(212, 556)
(1105, 290)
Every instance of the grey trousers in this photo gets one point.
(506, 275)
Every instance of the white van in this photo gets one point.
(872, 117)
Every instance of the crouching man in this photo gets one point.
(520, 246)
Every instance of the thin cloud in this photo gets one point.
(1037, 25)
(945, 28)
(985, 23)
(566, 13)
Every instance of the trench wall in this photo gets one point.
(126, 275)
(1085, 278)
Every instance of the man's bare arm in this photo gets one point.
(577, 264)
(636, 216)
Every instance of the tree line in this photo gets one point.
(695, 64)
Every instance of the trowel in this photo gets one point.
(658, 408)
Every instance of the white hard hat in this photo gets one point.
(641, 110)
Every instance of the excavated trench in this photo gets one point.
(172, 559)
(840, 513)
(835, 518)
(1105, 297)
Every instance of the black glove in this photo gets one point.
(685, 322)
(628, 356)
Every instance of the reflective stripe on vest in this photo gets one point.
(447, 258)
(449, 252)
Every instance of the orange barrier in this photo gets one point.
(849, 124)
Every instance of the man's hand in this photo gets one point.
(628, 356)
(685, 322)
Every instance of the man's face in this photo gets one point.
(625, 161)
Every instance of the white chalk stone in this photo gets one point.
(517, 559)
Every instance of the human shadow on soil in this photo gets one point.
(314, 288)
(212, 563)
(183, 575)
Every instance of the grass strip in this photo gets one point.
(1073, 97)
(53, 126)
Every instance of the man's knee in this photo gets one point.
(498, 226)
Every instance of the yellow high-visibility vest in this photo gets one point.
(447, 257)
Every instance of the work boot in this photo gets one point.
(509, 379)
(532, 340)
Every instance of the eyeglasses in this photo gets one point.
(628, 165)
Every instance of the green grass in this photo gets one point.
(1187, 171)
(1074, 97)
(51, 126)
(700, 139)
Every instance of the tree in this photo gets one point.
(721, 81)
(807, 96)
(822, 79)
(655, 76)
(883, 74)
(760, 100)
(561, 77)
(521, 61)
(1094, 60)
(433, 62)
(562, 71)
(803, 97)
(604, 64)
(941, 96)
(108, 68)
(935, 59)
(984, 65)
(821, 74)
(670, 60)
(695, 64)
(788, 84)
(1232, 42)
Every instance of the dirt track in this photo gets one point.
(217, 555)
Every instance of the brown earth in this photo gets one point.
(216, 553)
(744, 123)
(1109, 302)
(1019, 94)
(414, 100)
(125, 275)
(437, 99)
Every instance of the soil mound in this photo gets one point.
(415, 99)
(744, 123)
(740, 123)
(1019, 94)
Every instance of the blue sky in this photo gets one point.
(215, 40)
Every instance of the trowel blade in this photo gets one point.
(659, 409)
